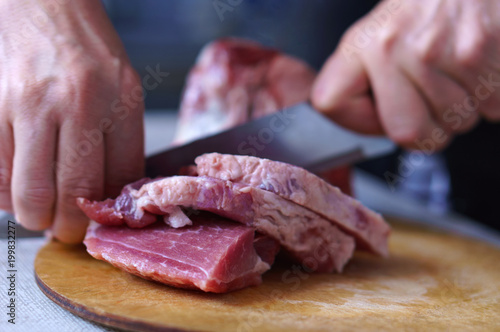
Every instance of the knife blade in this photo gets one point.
(297, 135)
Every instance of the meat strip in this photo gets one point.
(308, 237)
(214, 255)
(122, 210)
(304, 188)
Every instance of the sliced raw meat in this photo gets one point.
(214, 255)
(309, 238)
(122, 210)
(114, 212)
(304, 188)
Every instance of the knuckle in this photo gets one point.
(131, 87)
(427, 49)
(33, 94)
(367, 34)
(468, 57)
(85, 78)
(351, 33)
(71, 191)
(36, 87)
(78, 87)
(35, 198)
(81, 71)
(470, 52)
(131, 79)
(387, 39)
(426, 54)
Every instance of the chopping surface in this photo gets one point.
(432, 280)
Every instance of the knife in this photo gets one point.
(297, 135)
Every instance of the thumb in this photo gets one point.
(342, 90)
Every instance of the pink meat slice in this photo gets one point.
(309, 238)
(304, 188)
(235, 80)
(119, 211)
(122, 210)
(214, 255)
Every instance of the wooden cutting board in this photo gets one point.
(431, 281)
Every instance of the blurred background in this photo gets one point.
(172, 33)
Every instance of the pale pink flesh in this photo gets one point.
(214, 255)
(308, 237)
(304, 188)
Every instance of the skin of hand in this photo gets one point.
(71, 113)
(419, 71)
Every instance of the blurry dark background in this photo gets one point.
(171, 33)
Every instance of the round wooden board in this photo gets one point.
(431, 281)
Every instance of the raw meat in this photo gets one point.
(119, 211)
(214, 255)
(122, 210)
(235, 80)
(309, 238)
(232, 82)
(304, 188)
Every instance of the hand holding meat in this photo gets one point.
(70, 113)
(416, 70)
